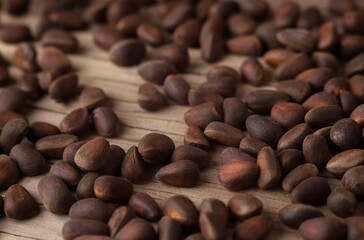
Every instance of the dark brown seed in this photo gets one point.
(352, 22)
(113, 162)
(226, 87)
(297, 90)
(156, 71)
(64, 87)
(328, 36)
(219, 72)
(213, 25)
(355, 65)
(341, 6)
(315, 150)
(245, 45)
(169, 229)
(24, 57)
(325, 59)
(256, 9)
(156, 149)
(309, 18)
(66, 172)
(28, 83)
(85, 188)
(19, 204)
(232, 154)
(52, 59)
(317, 77)
(127, 52)
(267, 33)
(215, 206)
(288, 115)
(183, 173)
(262, 101)
(45, 78)
(68, 19)
(323, 116)
(212, 226)
(294, 137)
(321, 228)
(53, 146)
(298, 175)
(90, 208)
(29, 160)
(290, 159)
(294, 215)
(351, 45)
(9, 172)
(136, 228)
(356, 84)
(201, 115)
(195, 154)
(176, 88)
(182, 210)
(60, 39)
(70, 152)
(264, 129)
(6, 116)
(312, 191)
(105, 37)
(14, 33)
(13, 132)
(354, 228)
(286, 15)
(15, 7)
(244, 206)
(128, 25)
(133, 167)
(297, 38)
(119, 219)
(238, 175)
(342, 203)
(348, 102)
(275, 57)
(150, 34)
(119, 9)
(12, 99)
(4, 75)
(320, 99)
(223, 9)
(252, 71)
(269, 169)
(197, 97)
(235, 112)
(113, 189)
(346, 134)
(176, 54)
(75, 122)
(358, 115)
(92, 155)
(345, 160)
(179, 13)
(256, 227)
(145, 206)
(241, 24)
(55, 195)
(187, 33)
(203, 7)
(91, 98)
(96, 11)
(212, 47)
(195, 137)
(353, 180)
(293, 66)
(224, 134)
(335, 85)
(105, 121)
(74, 228)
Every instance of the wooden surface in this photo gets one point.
(121, 85)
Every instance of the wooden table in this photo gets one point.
(121, 86)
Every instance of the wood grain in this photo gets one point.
(121, 85)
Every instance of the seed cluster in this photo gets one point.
(311, 123)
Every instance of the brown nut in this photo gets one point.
(224, 133)
(76, 122)
(322, 228)
(105, 121)
(262, 101)
(74, 228)
(353, 181)
(156, 71)
(315, 150)
(133, 167)
(66, 172)
(264, 129)
(127, 52)
(244, 206)
(85, 188)
(149, 98)
(312, 191)
(145, 206)
(9, 172)
(113, 189)
(90, 208)
(13, 132)
(238, 175)
(182, 210)
(254, 228)
(269, 169)
(297, 175)
(29, 160)
(342, 202)
(120, 217)
(195, 154)
(53, 146)
(345, 160)
(294, 215)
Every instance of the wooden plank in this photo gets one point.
(121, 85)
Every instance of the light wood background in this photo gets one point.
(121, 86)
